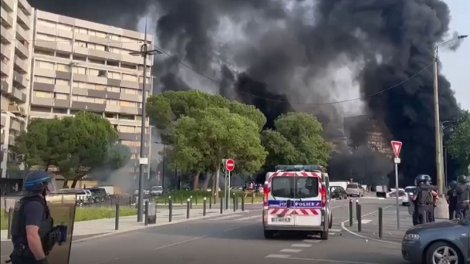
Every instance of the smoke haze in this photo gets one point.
(284, 55)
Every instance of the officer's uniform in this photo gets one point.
(463, 197)
(423, 200)
(452, 199)
(32, 210)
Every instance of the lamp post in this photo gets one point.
(144, 52)
(441, 210)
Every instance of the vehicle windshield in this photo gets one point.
(410, 189)
(295, 187)
(157, 188)
(352, 186)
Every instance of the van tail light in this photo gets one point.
(323, 196)
(267, 190)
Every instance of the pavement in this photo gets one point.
(238, 238)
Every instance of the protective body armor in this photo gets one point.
(18, 229)
(424, 197)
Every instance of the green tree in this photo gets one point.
(74, 145)
(210, 135)
(459, 144)
(305, 133)
(280, 150)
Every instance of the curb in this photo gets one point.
(117, 232)
(367, 237)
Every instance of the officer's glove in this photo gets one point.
(43, 261)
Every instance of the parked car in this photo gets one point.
(438, 242)
(403, 196)
(98, 194)
(354, 189)
(338, 192)
(156, 191)
(83, 196)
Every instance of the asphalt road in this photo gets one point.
(235, 239)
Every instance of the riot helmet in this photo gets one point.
(421, 178)
(452, 184)
(462, 179)
(38, 182)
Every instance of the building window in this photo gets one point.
(40, 79)
(112, 102)
(41, 36)
(93, 72)
(126, 129)
(80, 44)
(99, 100)
(100, 87)
(128, 77)
(79, 70)
(79, 58)
(63, 67)
(129, 91)
(64, 40)
(113, 89)
(114, 75)
(43, 94)
(46, 23)
(44, 65)
(61, 96)
(128, 104)
(64, 27)
(61, 82)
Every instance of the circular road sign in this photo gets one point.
(230, 164)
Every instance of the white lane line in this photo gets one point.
(366, 221)
(301, 245)
(224, 217)
(277, 256)
(290, 250)
(330, 261)
(311, 241)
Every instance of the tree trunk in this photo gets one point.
(74, 183)
(196, 181)
(65, 183)
(207, 180)
(217, 179)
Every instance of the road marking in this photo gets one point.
(329, 260)
(224, 217)
(290, 250)
(180, 242)
(301, 245)
(366, 221)
(277, 256)
(311, 241)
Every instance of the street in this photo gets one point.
(234, 239)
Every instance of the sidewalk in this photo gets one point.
(390, 232)
(98, 227)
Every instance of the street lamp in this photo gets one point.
(144, 52)
(441, 205)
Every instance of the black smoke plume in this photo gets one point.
(291, 51)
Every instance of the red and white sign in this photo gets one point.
(230, 164)
(396, 146)
(301, 212)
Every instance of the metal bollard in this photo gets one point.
(243, 203)
(191, 202)
(380, 222)
(350, 213)
(116, 219)
(234, 205)
(196, 201)
(221, 205)
(187, 208)
(204, 207)
(10, 215)
(146, 220)
(170, 209)
(359, 217)
(252, 198)
(210, 201)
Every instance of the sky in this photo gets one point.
(456, 64)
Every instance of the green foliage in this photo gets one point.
(298, 139)
(74, 145)
(459, 145)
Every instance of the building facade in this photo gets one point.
(16, 52)
(78, 65)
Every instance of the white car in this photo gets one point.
(403, 196)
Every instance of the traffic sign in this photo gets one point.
(396, 146)
(397, 160)
(230, 164)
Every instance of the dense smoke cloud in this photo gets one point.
(286, 55)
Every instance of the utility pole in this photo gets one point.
(144, 52)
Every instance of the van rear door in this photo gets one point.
(308, 202)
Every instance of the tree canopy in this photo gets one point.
(459, 145)
(298, 139)
(73, 145)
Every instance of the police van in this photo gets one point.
(296, 198)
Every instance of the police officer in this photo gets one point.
(423, 200)
(463, 197)
(32, 223)
(452, 199)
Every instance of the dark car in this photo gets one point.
(338, 192)
(438, 242)
(98, 194)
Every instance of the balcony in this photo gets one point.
(11, 140)
(8, 5)
(19, 95)
(22, 50)
(20, 79)
(4, 69)
(6, 35)
(16, 109)
(26, 7)
(22, 65)
(42, 101)
(45, 44)
(6, 18)
(23, 19)
(5, 50)
(22, 33)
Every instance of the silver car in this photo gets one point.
(354, 189)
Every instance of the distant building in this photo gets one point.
(55, 66)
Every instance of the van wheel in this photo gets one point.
(268, 234)
(324, 235)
